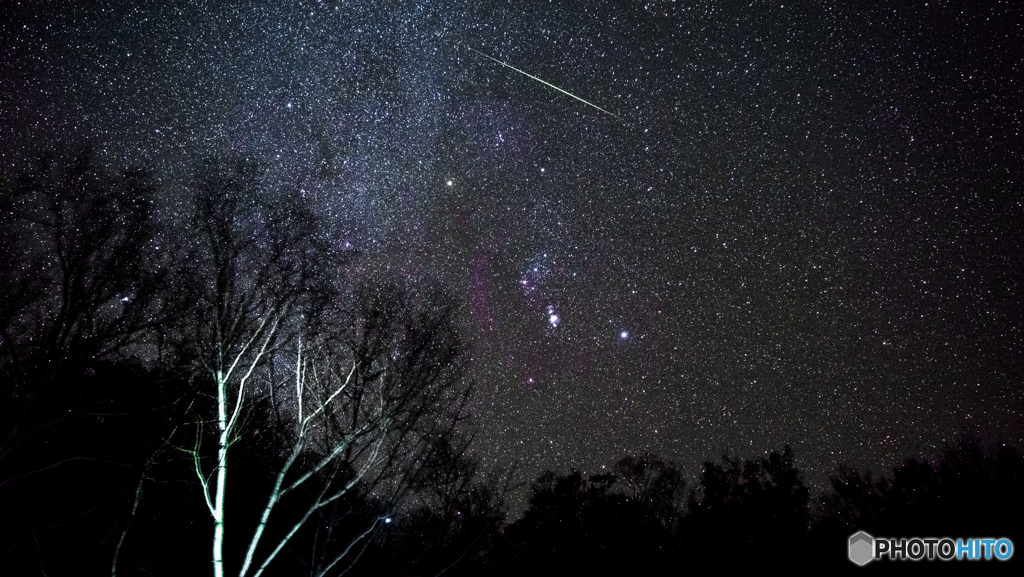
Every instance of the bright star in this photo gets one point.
(623, 335)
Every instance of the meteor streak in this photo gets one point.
(545, 83)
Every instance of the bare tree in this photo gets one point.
(369, 405)
(373, 381)
(248, 268)
(79, 285)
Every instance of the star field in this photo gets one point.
(805, 228)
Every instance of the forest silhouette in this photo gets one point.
(103, 423)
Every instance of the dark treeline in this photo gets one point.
(351, 450)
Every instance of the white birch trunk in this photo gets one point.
(222, 471)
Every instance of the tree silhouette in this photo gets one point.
(968, 488)
(654, 483)
(79, 285)
(753, 507)
(455, 522)
(583, 524)
(82, 301)
(980, 487)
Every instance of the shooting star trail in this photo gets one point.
(545, 83)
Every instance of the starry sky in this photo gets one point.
(769, 223)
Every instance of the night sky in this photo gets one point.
(791, 223)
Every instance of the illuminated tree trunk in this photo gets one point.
(222, 473)
(226, 426)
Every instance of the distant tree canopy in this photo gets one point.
(749, 512)
(758, 505)
(968, 490)
(606, 522)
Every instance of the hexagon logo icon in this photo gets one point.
(859, 548)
